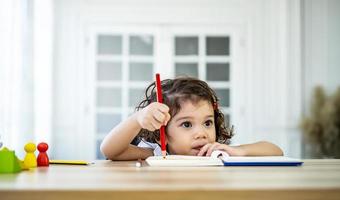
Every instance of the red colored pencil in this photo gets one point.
(160, 100)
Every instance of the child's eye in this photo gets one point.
(208, 123)
(186, 125)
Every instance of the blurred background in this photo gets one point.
(70, 70)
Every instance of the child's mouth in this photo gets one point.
(198, 146)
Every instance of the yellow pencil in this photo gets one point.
(70, 162)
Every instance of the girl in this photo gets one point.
(194, 125)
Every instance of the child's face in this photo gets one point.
(191, 128)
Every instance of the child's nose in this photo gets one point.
(201, 134)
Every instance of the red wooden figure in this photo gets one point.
(42, 159)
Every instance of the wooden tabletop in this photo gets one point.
(315, 179)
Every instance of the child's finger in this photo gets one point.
(167, 118)
(163, 108)
(159, 116)
(203, 150)
(149, 123)
(155, 124)
(212, 148)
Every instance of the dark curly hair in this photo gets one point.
(180, 89)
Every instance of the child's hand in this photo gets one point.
(210, 147)
(153, 116)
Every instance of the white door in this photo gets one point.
(124, 59)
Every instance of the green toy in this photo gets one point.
(9, 162)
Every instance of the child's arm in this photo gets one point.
(262, 148)
(116, 145)
(255, 149)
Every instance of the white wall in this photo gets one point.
(321, 45)
(274, 86)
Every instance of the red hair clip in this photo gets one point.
(215, 105)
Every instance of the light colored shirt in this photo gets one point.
(157, 151)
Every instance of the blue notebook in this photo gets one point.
(261, 161)
(219, 158)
